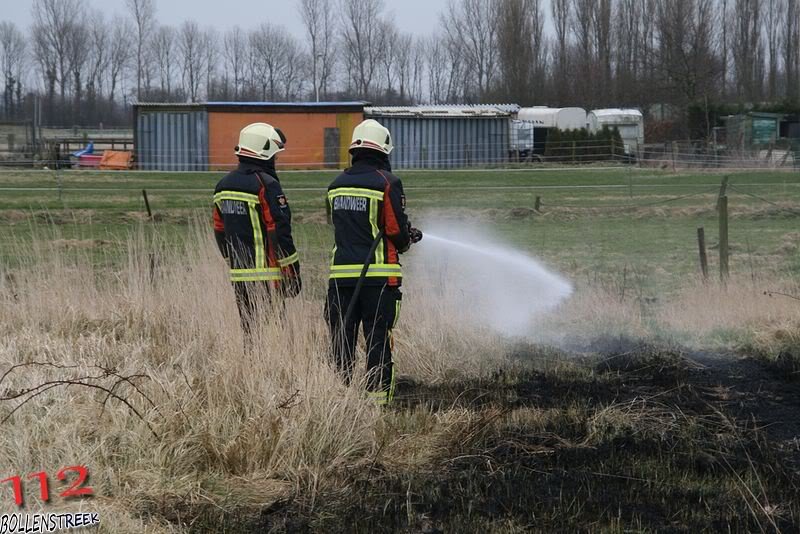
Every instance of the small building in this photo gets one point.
(752, 130)
(202, 136)
(629, 122)
(440, 137)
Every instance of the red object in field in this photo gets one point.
(90, 160)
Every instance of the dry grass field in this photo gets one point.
(642, 404)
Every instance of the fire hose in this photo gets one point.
(416, 237)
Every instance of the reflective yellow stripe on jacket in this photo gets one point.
(261, 272)
(288, 260)
(375, 270)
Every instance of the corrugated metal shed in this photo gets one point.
(438, 137)
(172, 138)
(199, 136)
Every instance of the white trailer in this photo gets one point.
(629, 122)
(529, 131)
(561, 118)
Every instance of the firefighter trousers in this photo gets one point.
(376, 310)
(253, 300)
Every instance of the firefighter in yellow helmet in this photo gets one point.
(367, 208)
(253, 223)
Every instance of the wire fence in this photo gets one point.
(451, 155)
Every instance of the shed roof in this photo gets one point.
(443, 111)
(285, 107)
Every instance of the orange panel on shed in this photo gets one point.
(305, 136)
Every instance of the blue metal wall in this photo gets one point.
(446, 143)
(172, 140)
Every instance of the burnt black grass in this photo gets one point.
(649, 439)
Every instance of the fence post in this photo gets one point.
(723, 239)
(60, 184)
(537, 203)
(147, 204)
(674, 149)
(701, 245)
(723, 190)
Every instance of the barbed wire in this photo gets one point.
(762, 199)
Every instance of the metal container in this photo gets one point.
(446, 137)
(171, 137)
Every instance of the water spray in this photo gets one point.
(496, 286)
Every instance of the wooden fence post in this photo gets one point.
(147, 204)
(537, 203)
(723, 239)
(701, 245)
(674, 150)
(723, 190)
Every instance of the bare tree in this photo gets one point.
(270, 45)
(164, 52)
(472, 26)
(561, 12)
(193, 58)
(602, 32)
(773, 22)
(143, 13)
(120, 53)
(53, 22)
(98, 58)
(234, 50)
(628, 19)
(791, 49)
(437, 72)
(210, 45)
(77, 47)
(12, 61)
(647, 46)
(403, 64)
(516, 49)
(747, 47)
(417, 69)
(686, 50)
(724, 42)
(582, 26)
(389, 36)
(319, 21)
(361, 31)
(297, 65)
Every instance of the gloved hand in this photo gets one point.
(415, 234)
(292, 283)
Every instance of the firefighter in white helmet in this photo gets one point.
(253, 223)
(366, 204)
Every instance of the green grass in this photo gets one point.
(592, 222)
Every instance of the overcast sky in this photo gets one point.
(418, 16)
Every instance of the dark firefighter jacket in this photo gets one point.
(363, 200)
(253, 224)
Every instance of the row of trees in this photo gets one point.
(591, 53)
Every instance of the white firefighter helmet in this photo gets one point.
(372, 134)
(260, 141)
